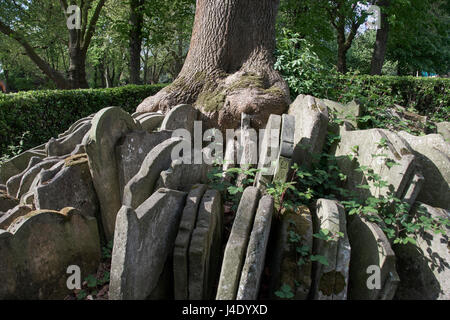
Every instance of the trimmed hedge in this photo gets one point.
(47, 113)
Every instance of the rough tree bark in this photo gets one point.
(136, 21)
(229, 67)
(379, 52)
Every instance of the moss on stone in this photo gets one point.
(332, 282)
(76, 160)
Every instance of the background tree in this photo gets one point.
(27, 21)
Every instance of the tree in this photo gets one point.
(22, 18)
(229, 68)
(136, 21)
(379, 52)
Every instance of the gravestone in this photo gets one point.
(182, 241)
(142, 185)
(284, 256)
(256, 251)
(433, 156)
(235, 250)
(370, 248)
(180, 117)
(424, 267)
(71, 187)
(311, 128)
(143, 241)
(109, 125)
(205, 247)
(268, 151)
(38, 248)
(331, 280)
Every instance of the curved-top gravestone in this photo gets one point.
(108, 126)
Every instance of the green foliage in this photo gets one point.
(45, 114)
(301, 66)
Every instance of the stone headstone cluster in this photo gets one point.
(111, 176)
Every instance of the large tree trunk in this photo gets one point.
(136, 21)
(379, 52)
(229, 67)
(77, 62)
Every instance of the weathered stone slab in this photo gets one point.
(350, 112)
(108, 126)
(256, 252)
(205, 247)
(180, 117)
(30, 175)
(7, 202)
(424, 267)
(268, 151)
(443, 128)
(364, 148)
(143, 241)
(77, 124)
(38, 248)
(132, 150)
(70, 187)
(284, 256)
(180, 254)
(236, 247)
(370, 247)
(182, 176)
(17, 164)
(152, 122)
(13, 183)
(65, 145)
(13, 214)
(142, 185)
(433, 156)
(331, 281)
(311, 127)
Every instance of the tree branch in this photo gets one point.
(92, 23)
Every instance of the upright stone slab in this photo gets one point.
(108, 126)
(370, 247)
(38, 248)
(75, 126)
(17, 164)
(152, 122)
(13, 183)
(131, 151)
(182, 176)
(364, 148)
(256, 252)
(268, 151)
(180, 117)
(311, 127)
(143, 241)
(235, 250)
(331, 281)
(350, 112)
(29, 176)
(65, 145)
(424, 267)
(181, 250)
(205, 246)
(283, 171)
(141, 186)
(71, 187)
(433, 156)
(284, 258)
